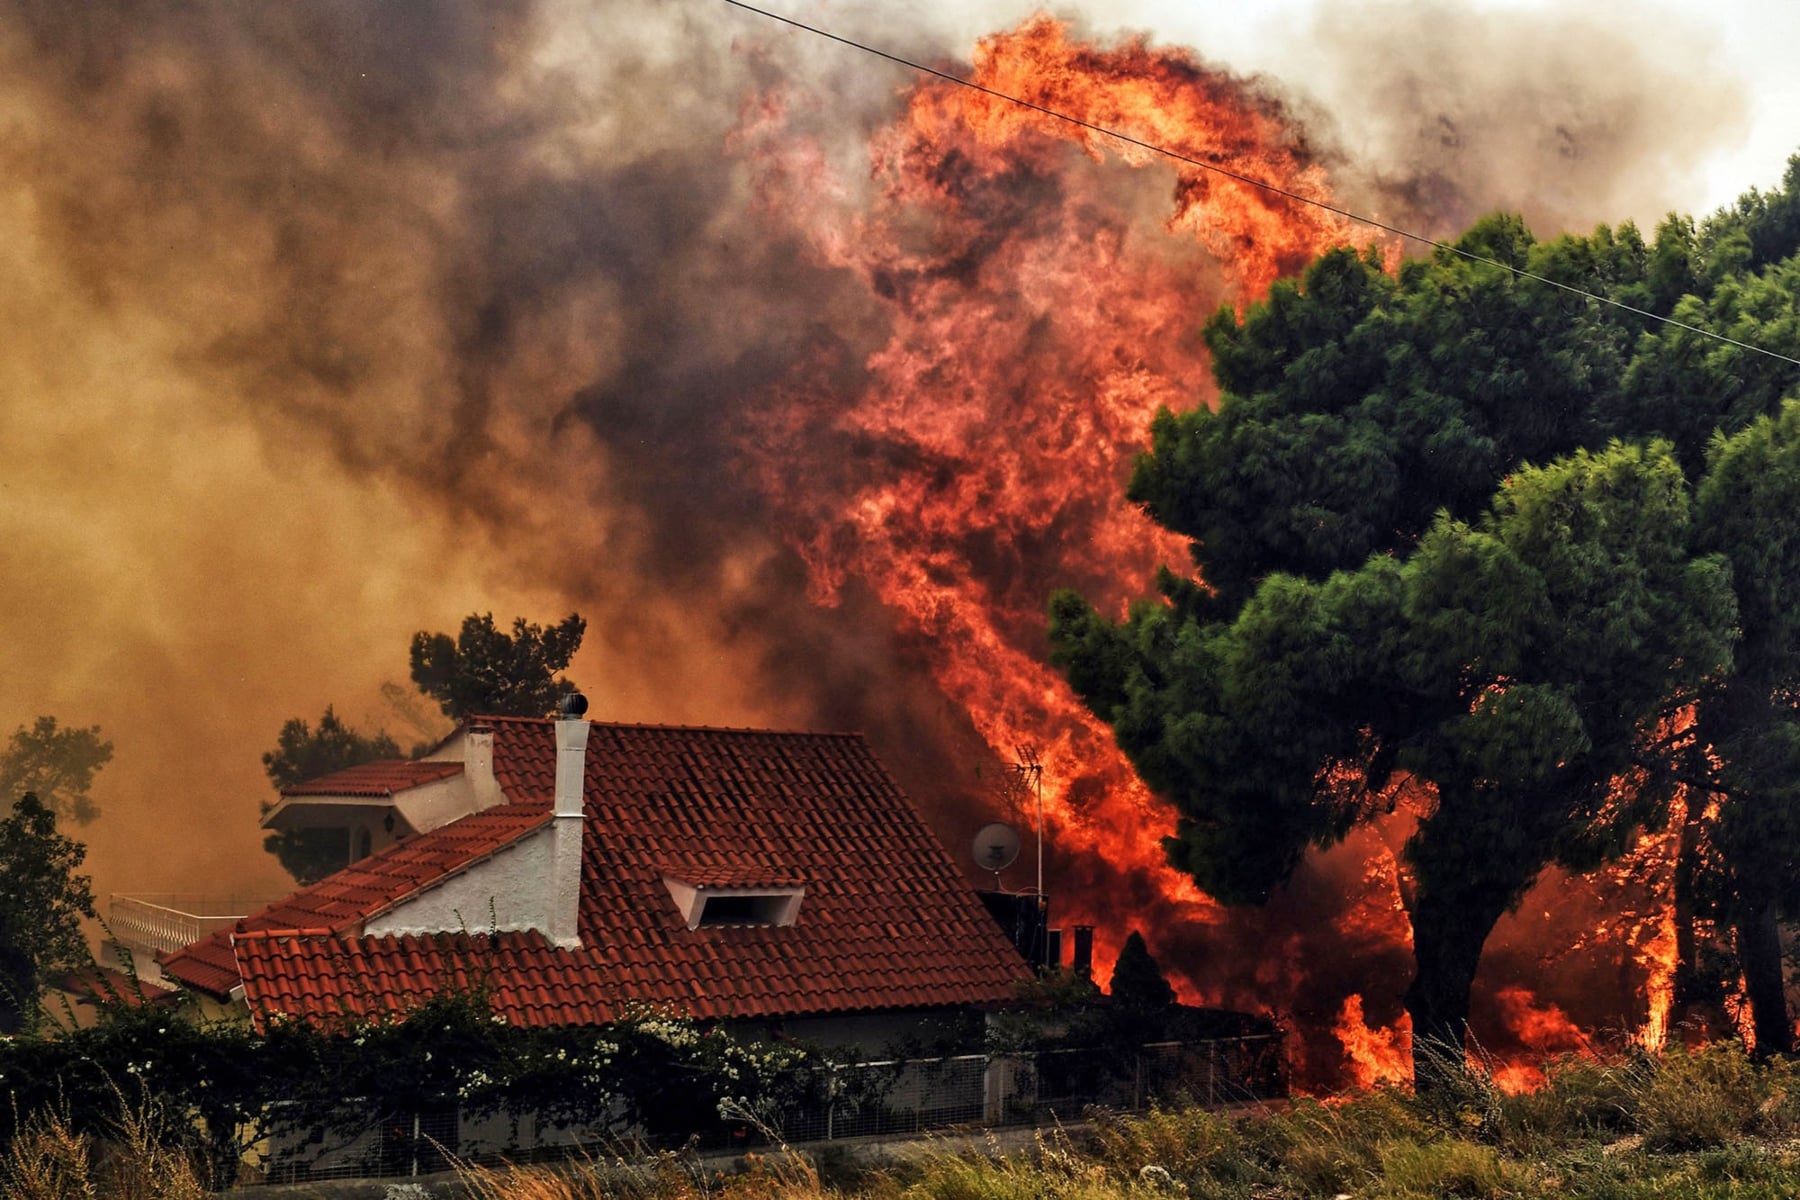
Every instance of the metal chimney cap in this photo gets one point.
(572, 706)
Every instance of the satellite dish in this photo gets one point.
(996, 846)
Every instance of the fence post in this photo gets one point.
(996, 1078)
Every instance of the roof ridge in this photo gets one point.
(408, 846)
(671, 727)
(322, 931)
(435, 768)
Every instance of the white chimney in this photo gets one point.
(571, 777)
(478, 766)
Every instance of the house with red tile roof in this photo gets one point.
(375, 804)
(575, 868)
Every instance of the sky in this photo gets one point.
(333, 323)
(1746, 43)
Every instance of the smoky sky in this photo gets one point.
(325, 323)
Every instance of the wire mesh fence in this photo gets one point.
(850, 1100)
(866, 1099)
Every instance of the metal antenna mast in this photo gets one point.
(1031, 773)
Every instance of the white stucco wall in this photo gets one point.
(510, 891)
(433, 805)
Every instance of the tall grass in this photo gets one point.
(666, 1176)
(783, 1174)
(139, 1158)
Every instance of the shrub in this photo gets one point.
(139, 1160)
(1336, 1147)
(1701, 1098)
(1580, 1098)
(1188, 1143)
(1446, 1167)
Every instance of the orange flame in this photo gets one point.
(1034, 332)
(1658, 955)
(1375, 1057)
(1539, 1032)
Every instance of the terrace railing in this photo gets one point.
(167, 921)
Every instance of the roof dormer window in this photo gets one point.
(736, 902)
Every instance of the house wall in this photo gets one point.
(451, 749)
(510, 891)
(431, 805)
(475, 751)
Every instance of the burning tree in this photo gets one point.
(1025, 322)
(1372, 624)
(1751, 722)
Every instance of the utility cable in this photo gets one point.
(1252, 181)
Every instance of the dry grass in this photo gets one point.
(50, 1161)
(665, 1177)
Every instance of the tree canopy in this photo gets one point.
(484, 671)
(1391, 597)
(42, 903)
(1750, 724)
(302, 752)
(1138, 984)
(57, 764)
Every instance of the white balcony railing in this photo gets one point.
(165, 922)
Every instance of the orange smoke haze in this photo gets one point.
(804, 380)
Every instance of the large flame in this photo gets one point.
(1035, 329)
(1373, 1056)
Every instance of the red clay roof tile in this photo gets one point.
(888, 920)
(381, 778)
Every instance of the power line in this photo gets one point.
(1252, 181)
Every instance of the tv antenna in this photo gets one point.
(1030, 773)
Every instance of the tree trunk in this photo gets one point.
(1759, 954)
(1449, 929)
(1687, 867)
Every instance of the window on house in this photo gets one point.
(743, 910)
(735, 904)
